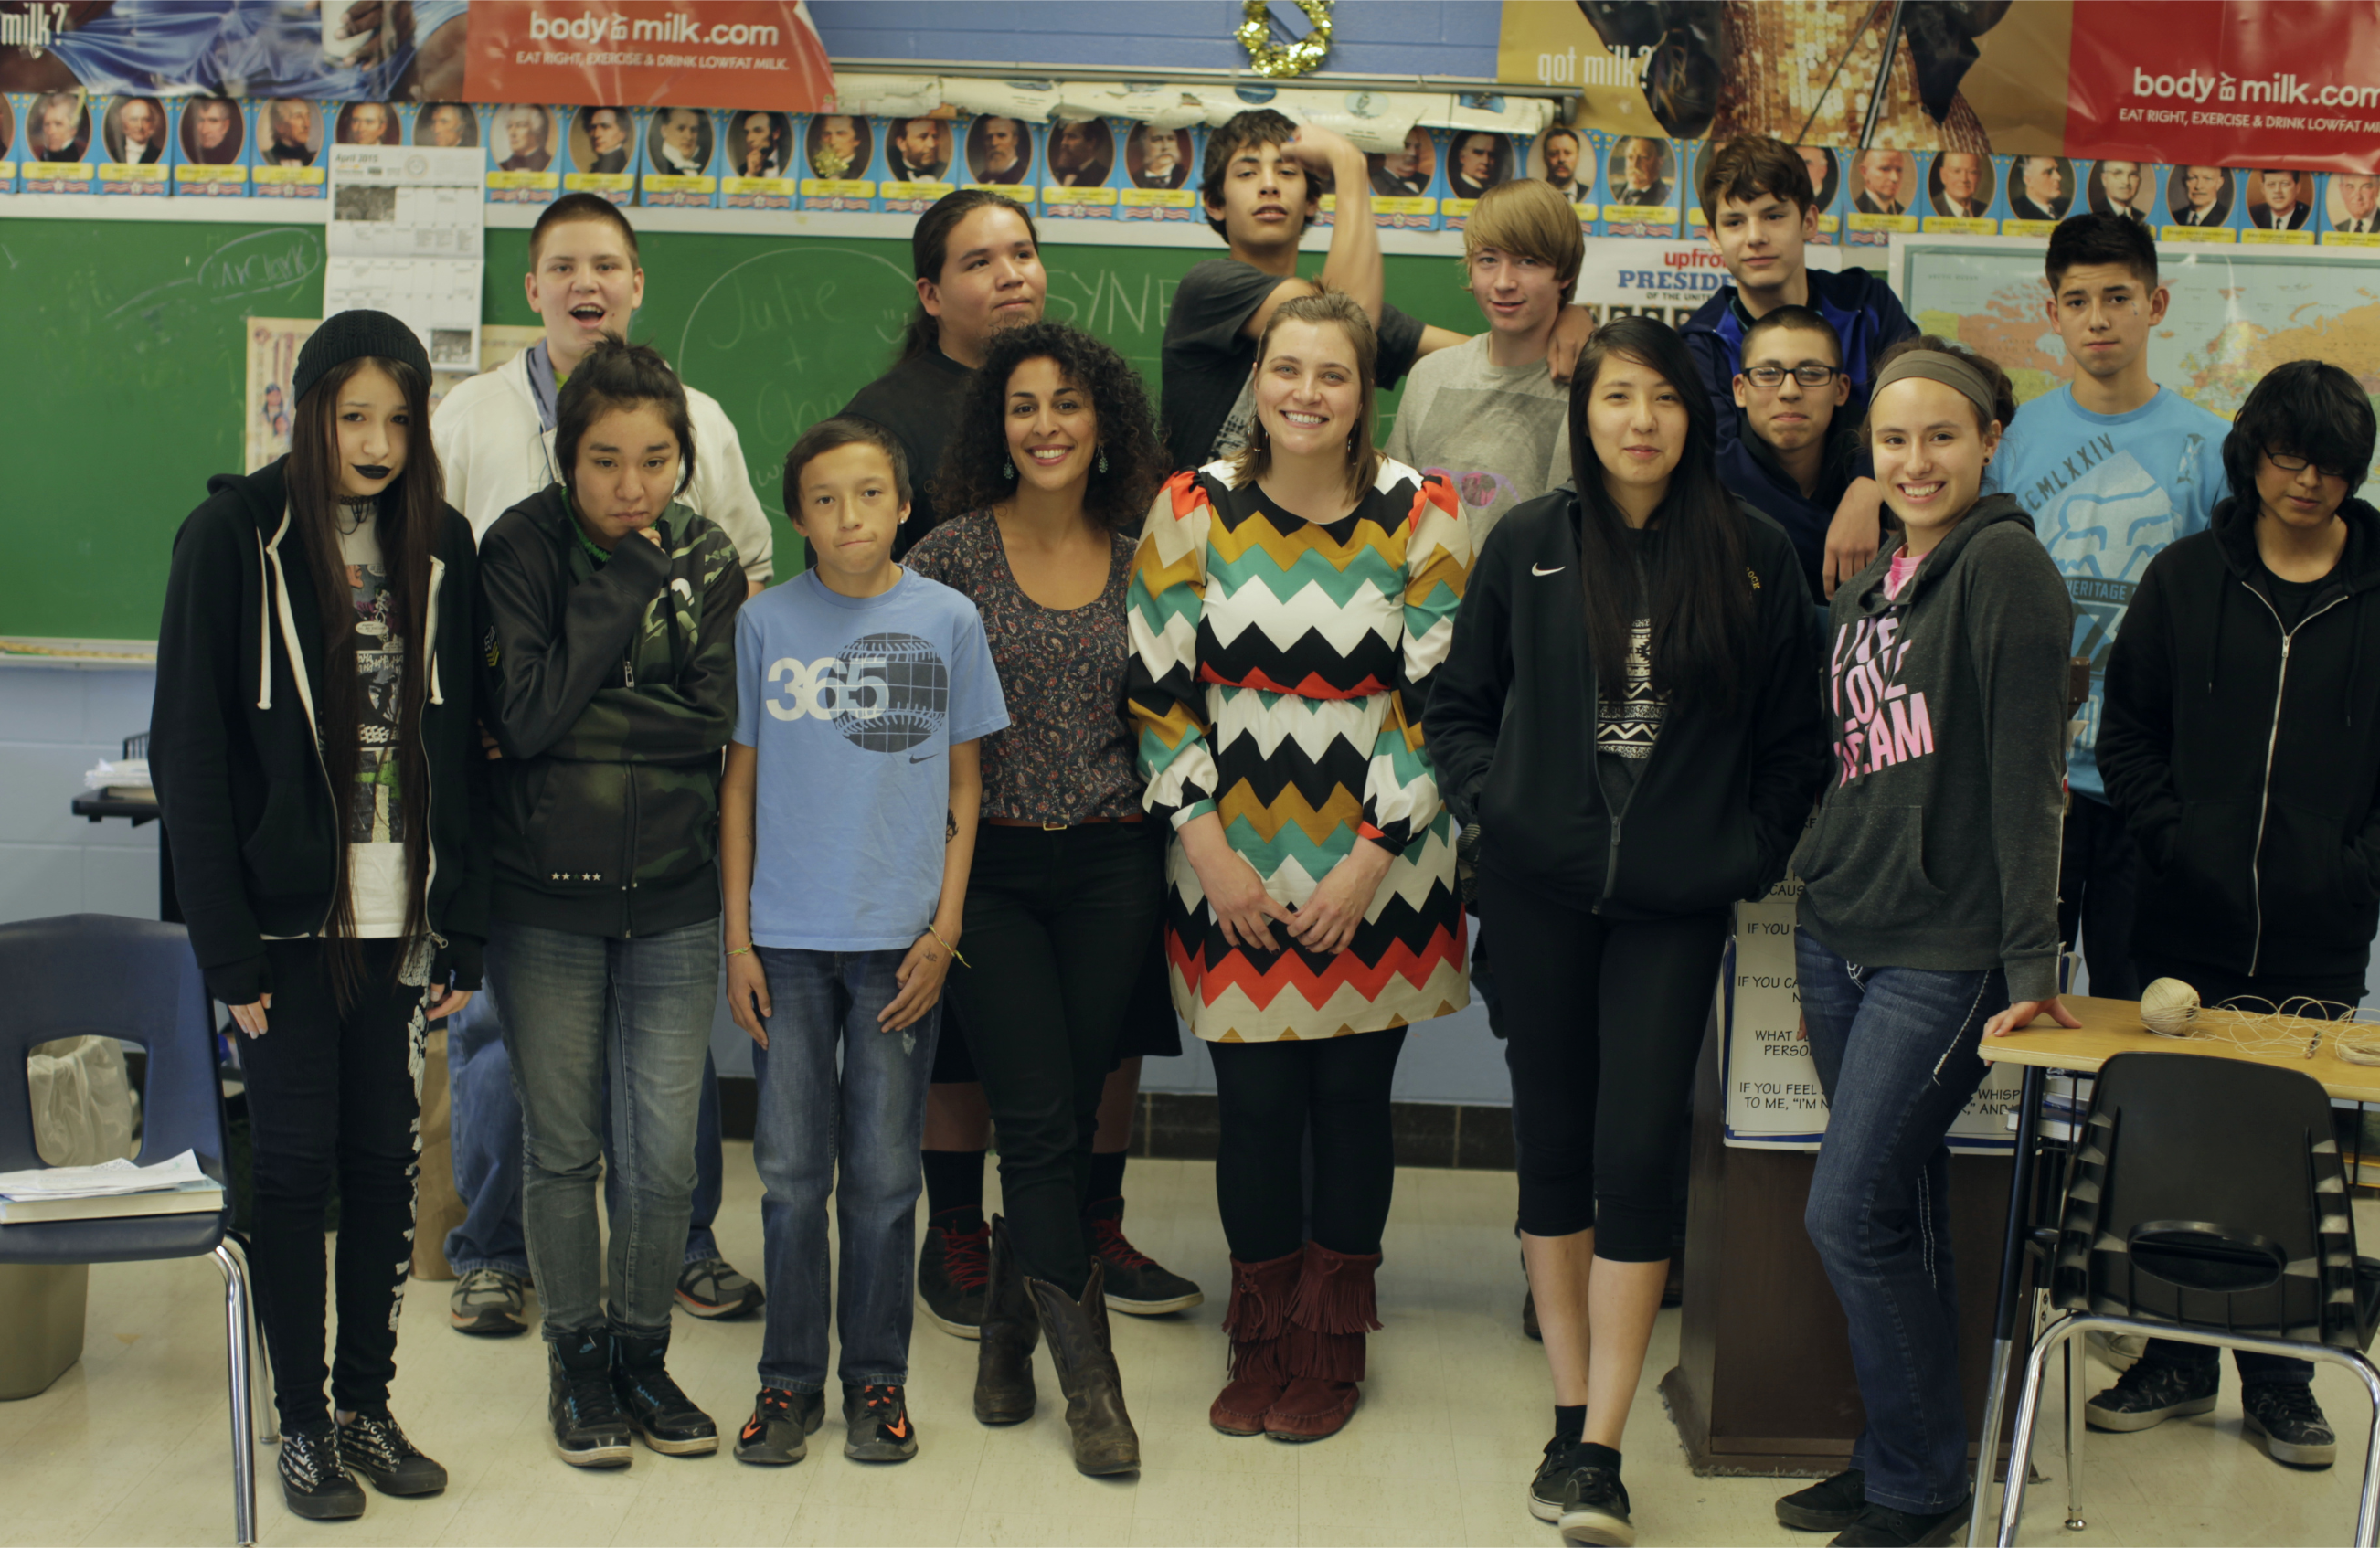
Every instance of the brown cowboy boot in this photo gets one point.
(1104, 1439)
(1334, 1308)
(1003, 1361)
(1257, 1322)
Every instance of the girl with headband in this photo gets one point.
(1929, 913)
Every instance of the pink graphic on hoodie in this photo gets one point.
(1878, 720)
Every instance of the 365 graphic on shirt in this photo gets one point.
(1879, 720)
(885, 692)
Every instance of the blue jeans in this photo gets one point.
(1896, 1051)
(872, 1121)
(487, 1151)
(580, 1014)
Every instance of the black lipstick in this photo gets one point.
(374, 472)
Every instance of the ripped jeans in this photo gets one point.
(1896, 1054)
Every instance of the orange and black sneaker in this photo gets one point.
(876, 1419)
(773, 1437)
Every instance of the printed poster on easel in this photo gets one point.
(1773, 1098)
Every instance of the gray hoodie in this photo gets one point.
(1937, 843)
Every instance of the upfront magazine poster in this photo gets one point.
(2236, 82)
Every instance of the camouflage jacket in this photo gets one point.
(610, 690)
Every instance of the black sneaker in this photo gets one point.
(876, 1424)
(2151, 1393)
(952, 1272)
(773, 1437)
(370, 1443)
(657, 1408)
(1546, 1489)
(1595, 1508)
(2286, 1414)
(589, 1429)
(1825, 1507)
(487, 1302)
(312, 1481)
(1135, 1284)
(1880, 1526)
(712, 1288)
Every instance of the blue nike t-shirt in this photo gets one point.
(852, 703)
(2108, 492)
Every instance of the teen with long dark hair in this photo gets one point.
(317, 771)
(976, 257)
(610, 671)
(1054, 461)
(1929, 909)
(1644, 624)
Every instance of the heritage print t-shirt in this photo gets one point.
(854, 704)
(377, 880)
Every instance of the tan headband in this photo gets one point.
(1937, 365)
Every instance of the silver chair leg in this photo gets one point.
(239, 1354)
(2075, 1374)
(260, 1366)
(1987, 1453)
(2367, 1505)
(2028, 1411)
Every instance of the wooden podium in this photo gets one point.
(1764, 1383)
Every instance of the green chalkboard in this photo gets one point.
(127, 355)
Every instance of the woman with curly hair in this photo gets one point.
(1054, 458)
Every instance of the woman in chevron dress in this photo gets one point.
(1288, 607)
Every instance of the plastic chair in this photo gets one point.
(2208, 1204)
(86, 974)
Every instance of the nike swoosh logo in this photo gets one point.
(1541, 570)
(899, 1431)
(927, 758)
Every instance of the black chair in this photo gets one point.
(100, 974)
(2208, 1204)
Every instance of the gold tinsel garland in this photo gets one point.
(1279, 60)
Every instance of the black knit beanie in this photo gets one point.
(354, 335)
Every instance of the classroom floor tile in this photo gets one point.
(1452, 1421)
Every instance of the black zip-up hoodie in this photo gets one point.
(1511, 729)
(235, 755)
(1937, 845)
(611, 690)
(2246, 761)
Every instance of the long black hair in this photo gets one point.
(1696, 570)
(929, 249)
(1117, 499)
(409, 515)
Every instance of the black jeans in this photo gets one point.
(1604, 1114)
(2098, 874)
(1058, 926)
(1267, 1095)
(2220, 986)
(333, 1096)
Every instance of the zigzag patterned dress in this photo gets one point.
(1280, 668)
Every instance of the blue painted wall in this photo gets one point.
(1369, 37)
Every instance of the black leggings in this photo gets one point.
(1266, 1096)
(332, 1096)
(1602, 1115)
(1058, 927)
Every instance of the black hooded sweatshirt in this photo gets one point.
(2245, 757)
(233, 747)
(1511, 729)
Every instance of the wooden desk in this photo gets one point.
(2110, 1027)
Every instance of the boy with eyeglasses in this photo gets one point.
(1793, 451)
(1763, 213)
(2113, 468)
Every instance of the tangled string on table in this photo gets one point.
(2170, 1008)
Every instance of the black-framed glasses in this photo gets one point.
(2288, 463)
(1809, 373)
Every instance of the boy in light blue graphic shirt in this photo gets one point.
(2113, 468)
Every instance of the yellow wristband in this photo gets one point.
(948, 947)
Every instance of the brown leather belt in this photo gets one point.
(1059, 826)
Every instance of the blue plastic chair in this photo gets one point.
(100, 974)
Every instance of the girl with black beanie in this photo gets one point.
(317, 770)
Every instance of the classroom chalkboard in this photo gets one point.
(127, 358)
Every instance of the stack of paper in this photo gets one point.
(123, 779)
(109, 1191)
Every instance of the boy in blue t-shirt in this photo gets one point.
(847, 828)
(2113, 468)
